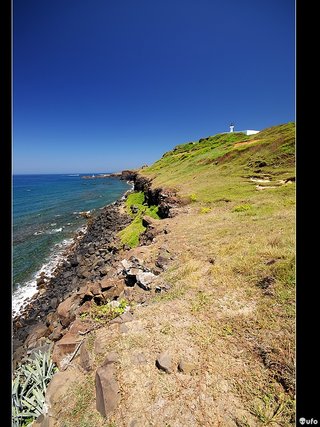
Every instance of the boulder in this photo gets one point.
(56, 391)
(56, 334)
(38, 331)
(123, 318)
(63, 348)
(54, 303)
(85, 359)
(111, 357)
(164, 362)
(126, 264)
(95, 288)
(78, 326)
(186, 367)
(145, 279)
(66, 309)
(115, 291)
(148, 221)
(107, 390)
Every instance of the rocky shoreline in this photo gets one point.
(91, 272)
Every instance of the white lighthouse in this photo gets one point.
(231, 127)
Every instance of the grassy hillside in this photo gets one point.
(220, 165)
(240, 217)
(228, 311)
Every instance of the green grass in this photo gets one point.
(242, 208)
(103, 313)
(222, 159)
(134, 199)
(130, 235)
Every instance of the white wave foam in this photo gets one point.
(55, 230)
(21, 296)
(37, 233)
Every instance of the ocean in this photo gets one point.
(46, 216)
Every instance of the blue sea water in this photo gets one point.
(46, 216)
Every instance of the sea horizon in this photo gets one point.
(61, 173)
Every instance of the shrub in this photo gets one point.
(242, 208)
(29, 388)
(105, 312)
(205, 210)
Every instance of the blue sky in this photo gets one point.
(106, 85)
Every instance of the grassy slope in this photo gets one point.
(217, 167)
(249, 233)
(231, 306)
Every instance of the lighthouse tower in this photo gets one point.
(231, 127)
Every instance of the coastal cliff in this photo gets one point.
(194, 325)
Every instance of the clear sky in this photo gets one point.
(105, 85)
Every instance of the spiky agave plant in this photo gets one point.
(29, 387)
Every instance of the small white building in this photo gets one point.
(250, 131)
(246, 132)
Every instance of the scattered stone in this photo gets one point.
(271, 261)
(148, 221)
(123, 329)
(123, 318)
(164, 362)
(63, 348)
(162, 262)
(134, 209)
(74, 261)
(85, 360)
(265, 282)
(57, 389)
(111, 357)
(163, 288)
(66, 309)
(56, 333)
(138, 359)
(126, 264)
(186, 367)
(54, 302)
(38, 331)
(262, 164)
(107, 390)
(145, 279)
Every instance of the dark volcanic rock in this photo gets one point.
(74, 272)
